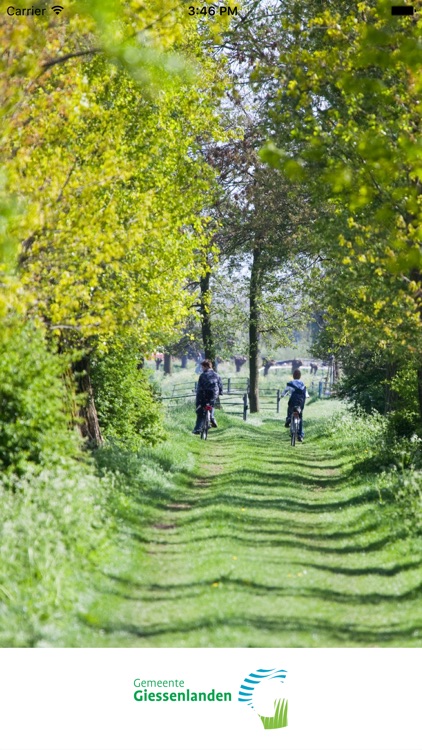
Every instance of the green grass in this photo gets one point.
(243, 541)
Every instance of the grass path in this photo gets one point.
(264, 545)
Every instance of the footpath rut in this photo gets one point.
(268, 546)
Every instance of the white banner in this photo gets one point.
(210, 699)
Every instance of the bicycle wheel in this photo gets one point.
(205, 425)
(293, 431)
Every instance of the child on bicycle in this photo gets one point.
(298, 395)
(210, 386)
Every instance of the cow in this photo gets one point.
(267, 363)
(296, 363)
(239, 362)
(158, 359)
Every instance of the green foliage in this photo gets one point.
(63, 526)
(127, 409)
(34, 425)
(360, 432)
(346, 116)
(92, 135)
(119, 131)
(143, 479)
(369, 382)
(56, 528)
(405, 418)
(395, 462)
(400, 492)
(363, 382)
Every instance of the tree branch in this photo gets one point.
(58, 60)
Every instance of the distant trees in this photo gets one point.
(265, 237)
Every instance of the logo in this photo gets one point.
(270, 680)
(57, 9)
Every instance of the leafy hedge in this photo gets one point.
(127, 407)
(34, 423)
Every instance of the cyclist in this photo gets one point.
(298, 394)
(210, 386)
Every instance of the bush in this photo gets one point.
(366, 434)
(401, 492)
(363, 381)
(56, 514)
(405, 419)
(393, 462)
(34, 425)
(127, 408)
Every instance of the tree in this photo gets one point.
(262, 241)
(347, 121)
(265, 242)
(93, 132)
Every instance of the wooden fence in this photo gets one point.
(236, 393)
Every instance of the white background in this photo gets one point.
(82, 699)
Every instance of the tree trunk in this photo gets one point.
(420, 390)
(254, 292)
(336, 371)
(184, 361)
(417, 275)
(88, 423)
(167, 364)
(207, 337)
(391, 396)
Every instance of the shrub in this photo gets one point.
(393, 463)
(127, 408)
(34, 422)
(364, 433)
(405, 419)
(401, 492)
(363, 381)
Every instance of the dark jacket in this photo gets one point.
(210, 386)
(298, 396)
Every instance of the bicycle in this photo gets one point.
(206, 421)
(294, 425)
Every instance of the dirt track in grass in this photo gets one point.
(262, 544)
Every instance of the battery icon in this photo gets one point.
(402, 10)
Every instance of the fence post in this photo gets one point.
(278, 401)
(195, 386)
(320, 389)
(228, 384)
(245, 406)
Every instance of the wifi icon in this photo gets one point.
(57, 9)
